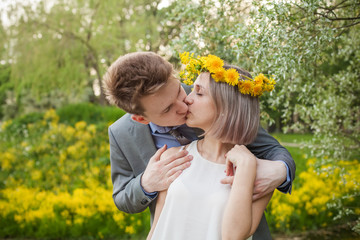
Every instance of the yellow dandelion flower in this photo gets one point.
(259, 79)
(232, 77)
(213, 63)
(219, 76)
(257, 90)
(246, 87)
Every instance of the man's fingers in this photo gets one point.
(178, 161)
(227, 180)
(259, 192)
(175, 156)
(178, 168)
(229, 168)
(256, 196)
(158, 153)
(173, 177)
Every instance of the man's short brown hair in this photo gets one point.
(133, 76)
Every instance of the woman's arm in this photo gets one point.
(158, 209)
(242, 216)
(160, 201)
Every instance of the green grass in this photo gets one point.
(294, 143)
(293, 137)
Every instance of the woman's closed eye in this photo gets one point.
(198, 90)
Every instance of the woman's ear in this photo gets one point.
(139, 118)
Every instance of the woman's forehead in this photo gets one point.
(203, 80)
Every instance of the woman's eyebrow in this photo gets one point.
(198, 86)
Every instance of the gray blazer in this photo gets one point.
(131, 147)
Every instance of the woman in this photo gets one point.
(224, 103)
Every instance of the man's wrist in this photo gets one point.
(285, 187)
(151, 195)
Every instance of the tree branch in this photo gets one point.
(350, 25)
(337, 18)
(89, 35)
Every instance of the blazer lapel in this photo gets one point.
(143, 140)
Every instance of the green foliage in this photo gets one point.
(89, 113)
(61, 50)
(205, 26)
(312, 50)
(5, 86)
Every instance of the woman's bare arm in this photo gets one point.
(242, 216)
(158, 209)
(160, 201)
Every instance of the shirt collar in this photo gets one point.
(159, 129)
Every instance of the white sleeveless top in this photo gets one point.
(195, 202)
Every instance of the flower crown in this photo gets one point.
(213, 64)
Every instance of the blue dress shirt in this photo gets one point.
(161, 135)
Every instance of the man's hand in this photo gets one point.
(269, 175)
(159, 174)
(238, 157)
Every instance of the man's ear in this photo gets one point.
(139, 118)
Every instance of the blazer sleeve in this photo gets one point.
(267, 147)
(127, 192)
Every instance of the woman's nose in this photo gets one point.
(189, 100)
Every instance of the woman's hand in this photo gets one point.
(238, 157)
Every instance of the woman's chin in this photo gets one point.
(189, 123)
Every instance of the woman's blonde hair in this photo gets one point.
(238, 115)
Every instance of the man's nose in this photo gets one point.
(183, 107)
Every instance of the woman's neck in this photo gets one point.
(213, 150)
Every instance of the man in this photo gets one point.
(143, 85)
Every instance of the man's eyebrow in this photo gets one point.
(163, 111)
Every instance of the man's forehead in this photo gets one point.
(162, 99)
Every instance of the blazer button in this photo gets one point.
(144, 201)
